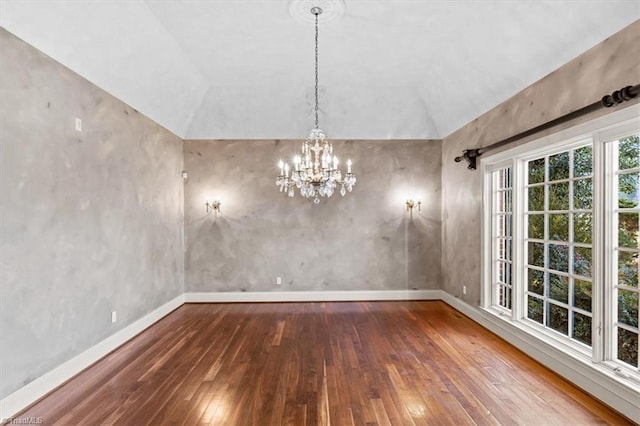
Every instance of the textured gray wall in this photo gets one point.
(363, 241)
(91, 221)
(610, 65)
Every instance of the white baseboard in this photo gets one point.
(596, 381)
(30, 393)
(313, 296)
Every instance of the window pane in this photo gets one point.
(507, 177)
(559, 196)
(535, 281)
(507, 250)
(536, 254)
(628, 268)
(536, 226)
(628, 190)
(559, 166)
(504, 296)
(536, 171)
(628, 230)
(628, 347)
(583, 161)
(504, 272)
(534, 309)
(557, 318)
(559, 288)
(559, 227)
(582, 194)
(559, 257)
(504, 200)
(582, 295)
(500, 202)
(536, 198)
(582, 261)
(629, 152)
(628, 308)
(501, 247)
(503, 225)
(582, 328)
(504, 178)
(582, 228)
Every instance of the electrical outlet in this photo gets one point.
(278, 280)
(464, 289)
(114, 316)
(78, 124)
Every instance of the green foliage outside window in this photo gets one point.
(628, 193)
(555, 287)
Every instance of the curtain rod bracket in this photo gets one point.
(471, 155)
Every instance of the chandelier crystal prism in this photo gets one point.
(315, 170)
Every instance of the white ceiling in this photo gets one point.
(244, 69)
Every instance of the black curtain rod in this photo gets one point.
(608, 101)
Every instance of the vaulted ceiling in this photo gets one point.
(244, 69)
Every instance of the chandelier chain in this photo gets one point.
(316, 86)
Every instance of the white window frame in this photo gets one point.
(490, 295)
(608, 351)
(601, 130)
(547, 151)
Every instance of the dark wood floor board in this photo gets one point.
(344, 363)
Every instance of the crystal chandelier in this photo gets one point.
(315, 170)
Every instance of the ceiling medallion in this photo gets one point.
(315, 170)
(331, 9)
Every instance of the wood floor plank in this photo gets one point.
(343, 363)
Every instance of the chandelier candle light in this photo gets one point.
(315, 170)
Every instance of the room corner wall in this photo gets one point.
(91, 221)
(365, 241)
(608, 66)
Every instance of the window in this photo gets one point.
(562, 240)
(502, 205)
(558, 239)
(623, 204)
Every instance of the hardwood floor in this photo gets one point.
(344, 363)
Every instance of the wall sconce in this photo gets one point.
(411, 204)
(213, 206)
